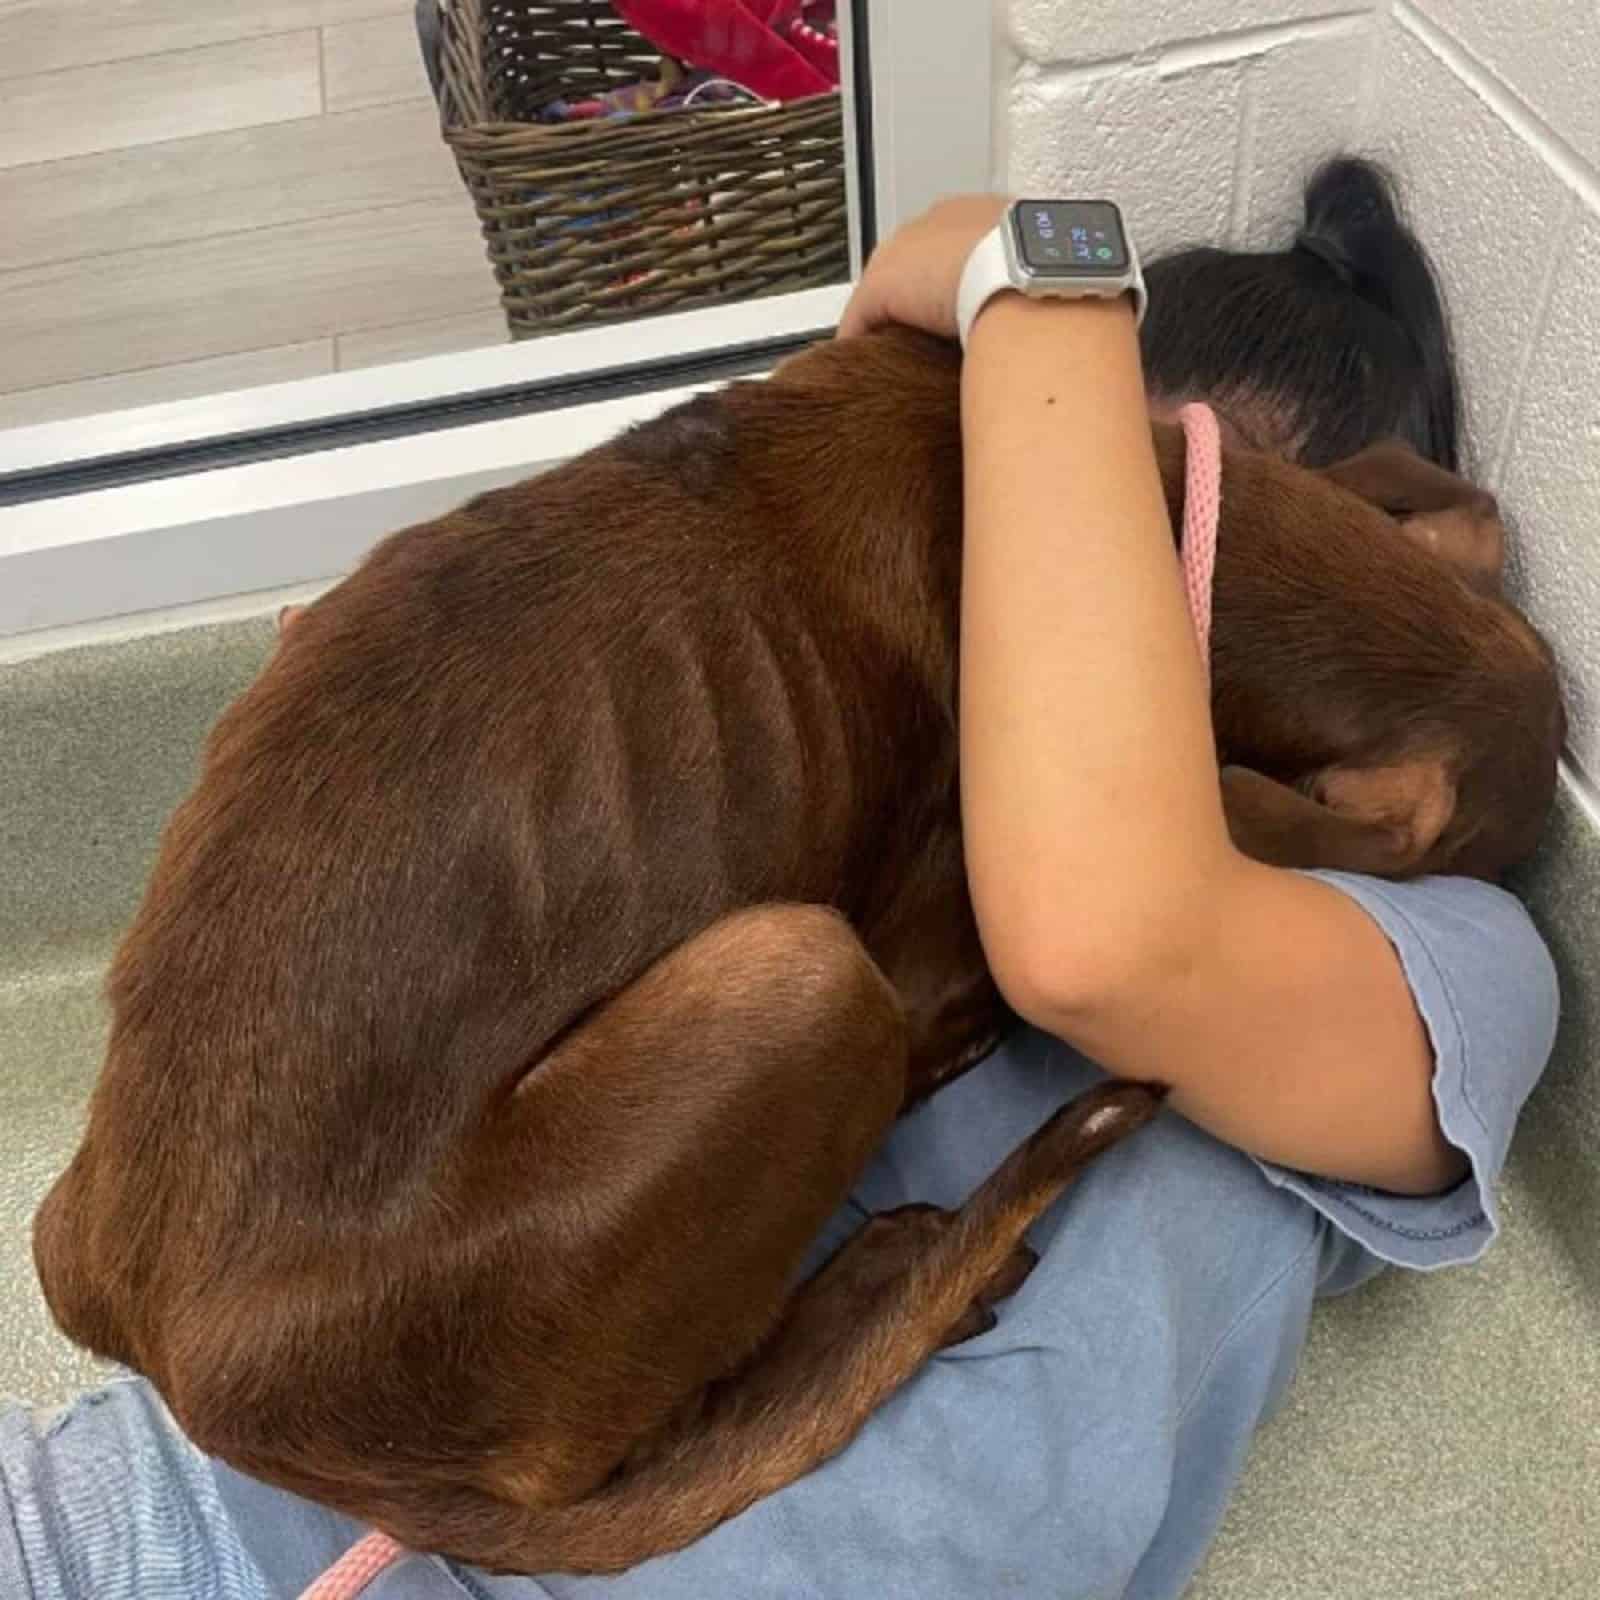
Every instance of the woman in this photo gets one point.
(1349, 1057)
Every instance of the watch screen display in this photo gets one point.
(1069, 238)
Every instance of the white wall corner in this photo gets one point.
(1201, 117)
(933, 120)
(1544, 54)
(1003, 64)
(1055, 32)
(1163, 147)
(1477, 109)
(1302, 104)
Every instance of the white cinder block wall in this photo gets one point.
(1203, 116)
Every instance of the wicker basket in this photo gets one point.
(620, 218)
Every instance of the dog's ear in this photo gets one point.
(288, 619)
(1455, 520)
(1380, 820)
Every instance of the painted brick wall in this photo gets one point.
(1199, 115)
(1204, 115)
(1490, 111)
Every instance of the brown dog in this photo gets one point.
(563, 917)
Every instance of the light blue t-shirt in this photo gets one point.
(1084, 1447)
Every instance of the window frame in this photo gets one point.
(224, 505)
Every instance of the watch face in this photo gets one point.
(1070, 238)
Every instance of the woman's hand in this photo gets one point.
(914, 274)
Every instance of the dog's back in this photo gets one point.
(518, 755)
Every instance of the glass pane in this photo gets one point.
(201, 199)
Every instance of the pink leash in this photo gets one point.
(1202, 503)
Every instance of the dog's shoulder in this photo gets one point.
(891, 357)
(871, 388)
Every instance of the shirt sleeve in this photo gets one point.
(1485, 987)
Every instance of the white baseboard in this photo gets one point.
(171, 619)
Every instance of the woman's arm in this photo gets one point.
(1114, 910)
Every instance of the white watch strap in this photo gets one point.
(986, 273)
(1141, 295)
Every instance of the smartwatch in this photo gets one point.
(1052, 249)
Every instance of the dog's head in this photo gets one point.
(1443, 513)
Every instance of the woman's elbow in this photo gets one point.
(1433, 1166)
(1098, 977)
(1078, 984)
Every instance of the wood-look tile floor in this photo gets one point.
(198, 197)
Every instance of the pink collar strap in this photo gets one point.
(1202, 505)
(356, 1568)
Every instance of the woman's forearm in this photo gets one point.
(1090, 794)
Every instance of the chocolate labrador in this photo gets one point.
(563, 916)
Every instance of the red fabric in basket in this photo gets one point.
(768, 46)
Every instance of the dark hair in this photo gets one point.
(1334, 343)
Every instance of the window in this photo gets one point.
(139, 492)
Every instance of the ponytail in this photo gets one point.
(1338, 341)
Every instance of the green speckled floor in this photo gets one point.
(96, 747)
(1443, 1439)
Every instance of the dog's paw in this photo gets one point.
(981, 1316)
(899, 1241)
